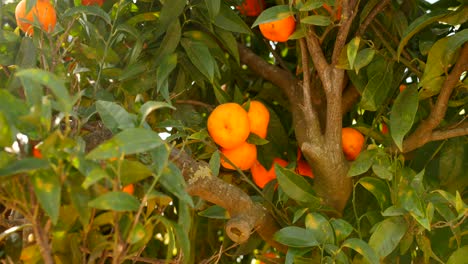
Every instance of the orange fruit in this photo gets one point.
(352, 142)
(402, 87)
(269, 255)
(243, 156)
(36, 152)
(130, 189)
(43, 12)
(261, 176)
(92, 2)
(278, 30)
(228, 125)
(384, 129)
(251, 7)
(259, 116)
(303, 168)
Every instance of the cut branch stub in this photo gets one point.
(246, 216)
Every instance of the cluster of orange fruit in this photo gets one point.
(45, 14)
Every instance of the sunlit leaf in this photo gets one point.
(295, 186)
(378, 188)
(321, 228)
(341, 228)
(114, 116)
(47, 188)
(387, 235)
(294, 236)
(459, 256)
(317, 20)
(115, 201)
(403, 114)
(24, 165)
(362, 248)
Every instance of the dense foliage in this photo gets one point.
(119, 95)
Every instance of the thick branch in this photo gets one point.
(347, 20)
(445, 134)
(246, 216)
(423, 133)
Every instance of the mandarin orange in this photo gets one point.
(43, 12)
(251, 7)
(228, 125)
(261, 176)
(278, 30)
(259, 117)
(243, 156)
(352, 142)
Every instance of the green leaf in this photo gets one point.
(363, 58)
(341, 228)
(378, 188)
(309, 5)
(47, 188)
(170, 41)
(352, 50)
(213, 7)
(150, 106)
(256, 140)
(227, 19)
(271, 14)
(403, 113)
(133, 171)
(215, 212)
(170, 11)
(316, 20)
(418, 24)
(174, 182)
(387, 235)
(229, 42)
(380, 83)
(215, 163)
(363, 163)
(114, 116)
(294, 236)
(362, 248)
(115, 201)
(24, 165)
(127, 142)
(319, 225)
(50, 80)
(459, 256)
(88, 10)
(94, 176)
(200, 56)
(6, 135)
(137, 234)
(295, 186)
(166, 66)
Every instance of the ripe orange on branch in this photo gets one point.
(352, 141)
(279, 30)
(228, 125)
(261, 176)
(43, 12)
(259, 117)
(243, 156)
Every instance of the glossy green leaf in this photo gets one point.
(418, 24)
(378, 188)
(316, 20)
(167, 64)
(341, 228)
(56, 85)
(115, 201)
(170, 41)
(362, 248)
(47, 188)
(24, 166)
(394, 211)
(200, 56)
(127, 142)
(363, 162)
(387, 235)
(294, 236)
(229, 42)
(215, 212)
(256, 140)
(114, 116)
(319, 225)
(352, 50)
(271, 14)
(383, 167)
(295, 186)
(227, 19)
(151, 106)
(172, 180)
(309, 5)
(403, 114)
(213, 7)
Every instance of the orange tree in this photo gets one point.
(118, 95)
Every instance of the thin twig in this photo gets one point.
(381, 6)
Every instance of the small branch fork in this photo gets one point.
(426, 132)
